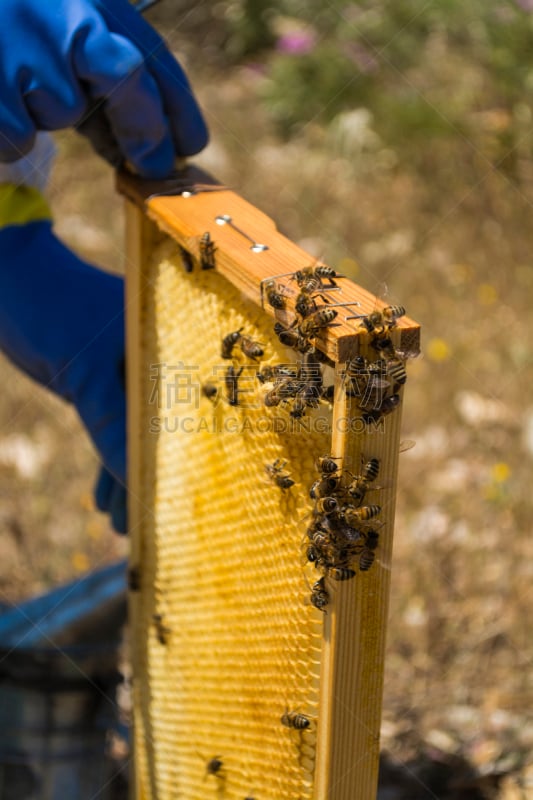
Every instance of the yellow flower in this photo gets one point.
(438, 350)
(80, 562)
(500, 472)
(487, 294)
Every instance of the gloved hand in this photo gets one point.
(62, 322)
(111, 497)
(99, 66)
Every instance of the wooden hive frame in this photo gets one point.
(354, 630)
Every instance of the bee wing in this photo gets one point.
(374, 383)
(382, 293)
(405, 354)
(408, 444)
(385, 563)
(386, 484)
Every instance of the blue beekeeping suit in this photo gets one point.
(99, 67)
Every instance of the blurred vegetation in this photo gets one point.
(437, 70)
(423, 70)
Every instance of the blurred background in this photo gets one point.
(394, 140)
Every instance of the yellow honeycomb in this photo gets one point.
(229, 641)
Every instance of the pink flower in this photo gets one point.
(296, 43)
(525, 5)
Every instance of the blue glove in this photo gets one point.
(62, 322)
(111, 497)
(63, 61)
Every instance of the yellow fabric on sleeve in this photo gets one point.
(21, 204)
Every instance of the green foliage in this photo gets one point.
(250, 30)
(423, 70)
(316, 86)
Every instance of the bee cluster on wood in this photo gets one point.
(376, 383)
(301, 387)
(341, 535)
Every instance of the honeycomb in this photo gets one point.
(228, 641)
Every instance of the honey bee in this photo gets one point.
(266, 375)
(276, 472)
(250, 348)
(319, 595)
(396, 370)
(354, 516)
(315, 275)
(305, 304)
(323, 487)
(368, 554)
(320, 555)
(291, 388)
(366, 380)
(380, 321)
(228, 343)
(186, 259)
(307, 281)
(371, 539)
(366, 559)
(327, 505)
(310, 372)
(323, 271)
(312, 553)
(387, 406)
(283, 389)
(276, 371)
(313, 324)
(319, 539)
(324, 522)
(274, 297)
(341, 573)
(326, 465)
(361, 368)
(384, 345)
(272, 398)
(207, 251)
(291, 719)
(162, 630)
(360, 484)
(291, 338)
(299, 407)
(393, 313)
(231, 381)
(371, 469)
(374, 322)
(214, 765)
(350, 541)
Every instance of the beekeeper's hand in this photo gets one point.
(99, 66)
